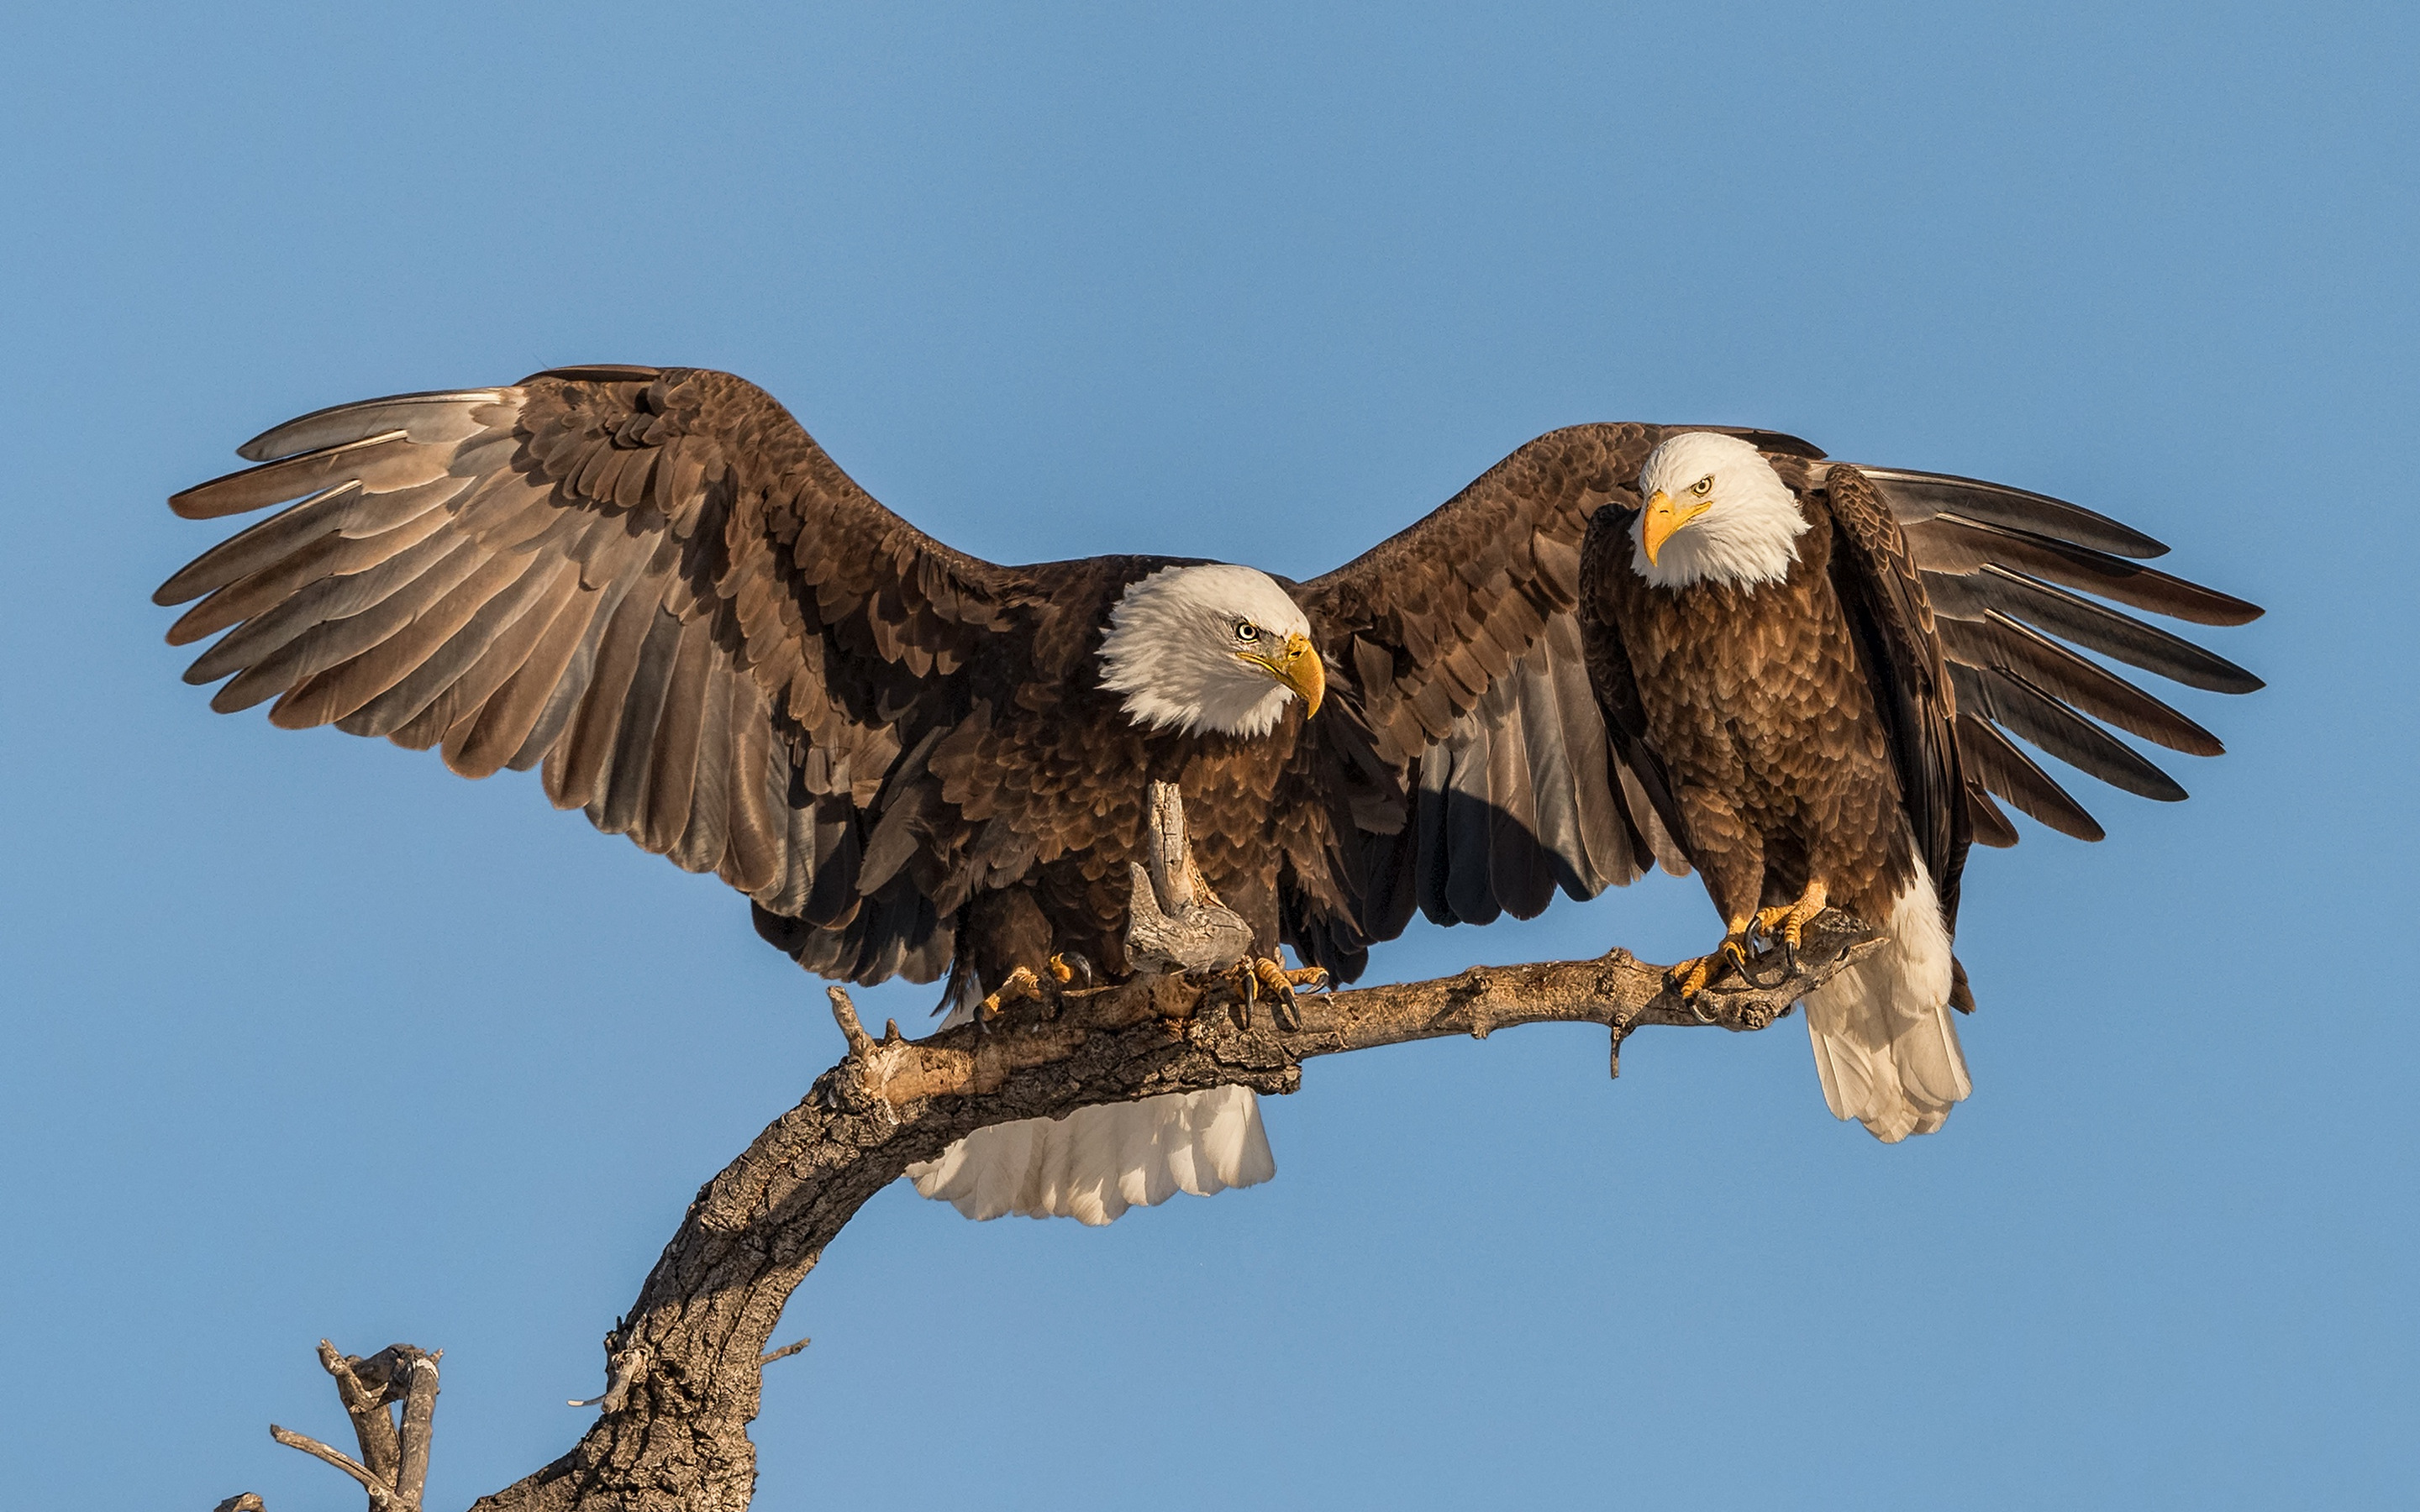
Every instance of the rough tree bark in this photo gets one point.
(683, 1366)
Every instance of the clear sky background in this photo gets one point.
(306, 1037)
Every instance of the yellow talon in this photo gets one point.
(1787, 921)
(1020, 985)
(1690, 978)
(1273, 978)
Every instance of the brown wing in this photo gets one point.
(1900, 645)
(1466, 770)
(1996, 566)
(653, 583)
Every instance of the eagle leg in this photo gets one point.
(1785, 924)
(1073, 968)
(1690, 978)
(1786, 921)
(1258, 977)
(1281, 984)
(1019, 986)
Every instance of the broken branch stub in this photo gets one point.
(1174, 922)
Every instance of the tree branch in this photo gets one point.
(683, 1366)
(394, 1466)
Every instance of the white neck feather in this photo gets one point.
(1171, 649)
(1748, 534)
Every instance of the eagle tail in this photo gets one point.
(1095, 1163)
(1884, 1046)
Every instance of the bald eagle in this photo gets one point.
(1810, 666)
(657, 588)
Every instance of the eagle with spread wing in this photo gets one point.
(1813, 666)
(657, 588)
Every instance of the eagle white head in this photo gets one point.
(1210, 648)
(1716, 512)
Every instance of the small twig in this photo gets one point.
(784, 1352)
(625, 1367)
(382, 1496)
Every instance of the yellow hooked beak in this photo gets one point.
(1663, 517)
(1296, 666)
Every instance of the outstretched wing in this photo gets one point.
(651, 582)
(1995, 566)
(1466, 770)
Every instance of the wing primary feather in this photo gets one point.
(324, 601)
(424, 417)
(2002, 644)
(448, 630)
(2009, 700)
(1919, 496)
(1969, 597)
(362, 540)
(258, 546)
(379, 463)
(323, 645)
(1952, 543)
(2012, 774)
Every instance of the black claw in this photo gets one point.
(1287, 1016)
(1745, 963)
(1777, 980)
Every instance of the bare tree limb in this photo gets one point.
(382, 1497)
(393, 1467)
(683, 1366)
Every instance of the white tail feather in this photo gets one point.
(1095, 1163)
(1884, 1046)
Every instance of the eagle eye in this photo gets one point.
(1703, 485)
(1247, 630)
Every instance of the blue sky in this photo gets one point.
(306, 1037)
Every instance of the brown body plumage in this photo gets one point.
(1778, 761)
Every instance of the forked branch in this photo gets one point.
(394, 1466)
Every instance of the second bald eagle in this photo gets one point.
(1810, 665)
